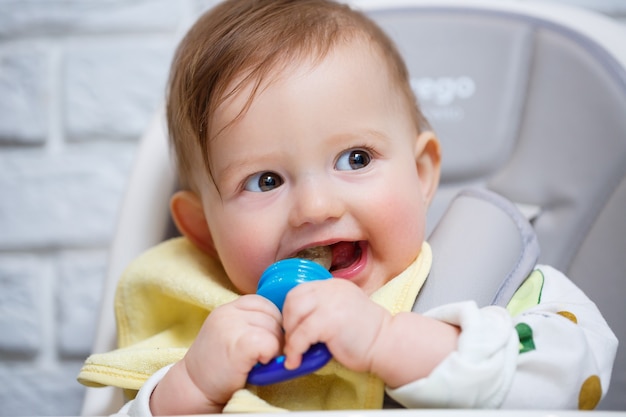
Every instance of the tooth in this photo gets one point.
(323, 255)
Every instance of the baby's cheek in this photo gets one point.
(244, 269)
(405, 223)
(245, 242)
(406, 213)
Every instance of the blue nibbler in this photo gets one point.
(275, 283)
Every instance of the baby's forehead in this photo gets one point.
(252, 81)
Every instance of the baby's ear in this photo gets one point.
(428, 162)
(188, 214)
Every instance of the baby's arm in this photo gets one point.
(492, 362)
(232, 340)
(362, 335)
(535, 356)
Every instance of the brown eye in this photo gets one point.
(353, 159)
(262, 182)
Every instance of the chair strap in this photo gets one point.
(483, 249)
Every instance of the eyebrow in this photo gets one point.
(367, 133)
(230, 169)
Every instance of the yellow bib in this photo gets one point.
(166, 294)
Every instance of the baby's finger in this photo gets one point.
(257, 303)
(292, 361)
(300, 303)
(297, 341)
(255, 344)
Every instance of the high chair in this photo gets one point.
(528, 100)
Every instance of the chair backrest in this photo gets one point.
(528, 99)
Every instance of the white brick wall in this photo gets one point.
(79, 80)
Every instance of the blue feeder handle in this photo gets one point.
(277, 280)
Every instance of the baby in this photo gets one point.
(295, 130)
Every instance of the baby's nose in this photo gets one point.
(315, 201)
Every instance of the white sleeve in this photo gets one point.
(557, 353)
(140, 406)
(479, 373)
(567, 349)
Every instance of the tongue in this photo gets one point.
(343, 255)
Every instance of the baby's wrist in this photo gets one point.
(410, 347)
(178, 394)
(381, 351)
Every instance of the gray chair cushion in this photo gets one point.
(535, 111)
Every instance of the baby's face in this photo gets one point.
(324, 156)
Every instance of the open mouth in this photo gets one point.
(323, 255)
(345, 254)
(335, 257)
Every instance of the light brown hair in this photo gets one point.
(249, 41)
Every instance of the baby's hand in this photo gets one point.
(361, 334)
(338, 313)
(234, 337)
